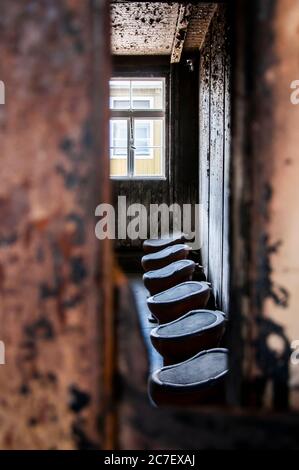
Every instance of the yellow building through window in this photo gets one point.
(137, 128)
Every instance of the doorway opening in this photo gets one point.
(170, 146)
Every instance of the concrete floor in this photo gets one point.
(140, 294)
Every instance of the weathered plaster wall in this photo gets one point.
(143, 28)
(156, 28)
(214, 152)
(51, 290)
(202, 14)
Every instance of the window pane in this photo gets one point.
(143, 133)
(149, 147)
(142, 103)
(118, 152)
(120, 94)
(147, 94)
(118, 133)
(118, 162)
(118, 167)
(144, 152)
(152, 166)
(118, 147)
(120, 103)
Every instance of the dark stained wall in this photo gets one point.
(185, 130)
(265, 192)
(214, 154)
(53, 174)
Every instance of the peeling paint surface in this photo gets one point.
(184, 16)
(201, 17)
(48, 252)
(155, 28)
(143, 28)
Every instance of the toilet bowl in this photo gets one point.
(175, 273)
(183, 338)
(198, 380)
(175, 302)
(162, 258)
(153, 245)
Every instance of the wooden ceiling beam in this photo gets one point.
(184, 15)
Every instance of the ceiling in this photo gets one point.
(158, 28)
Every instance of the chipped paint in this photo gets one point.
(49, 275)
(158, 28)
(200, 20)
(184, 16)
(143, 28)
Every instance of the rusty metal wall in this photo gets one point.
(53, 174)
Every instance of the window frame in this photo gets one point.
(146, 114)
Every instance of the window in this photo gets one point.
(137, 128)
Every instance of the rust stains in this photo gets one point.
(48, 253)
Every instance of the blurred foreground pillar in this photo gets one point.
(54, 274)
